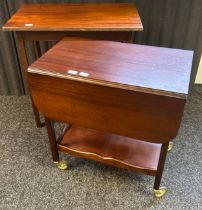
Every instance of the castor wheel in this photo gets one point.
(170, 146)
(160, 192)
(62, 164)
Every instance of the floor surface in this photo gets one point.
(29, 179)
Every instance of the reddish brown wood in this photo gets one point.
(122, 36)
(129, 90)
(161, 163)
(111, 149)
(76, 17)
(38, 122)
(145, 116)
(126, 66)
(54, 21)
(52, 139)
(126, 83)
(24, 63)
(37, 49)
(22, 51)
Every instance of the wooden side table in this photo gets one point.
(125, 101)
(47, 22)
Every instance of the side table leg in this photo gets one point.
(38, 122)
(160, 191)
(61, 164)
(37, 49)
(25, 64)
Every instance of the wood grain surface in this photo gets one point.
(120, 65)
(76, 17)
(131, 90)
(150, 117)
(111, 149)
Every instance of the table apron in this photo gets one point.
(125, 36)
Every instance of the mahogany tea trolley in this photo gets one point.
(124, 102)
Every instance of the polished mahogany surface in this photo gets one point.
(112, 149)
(130, 90)
(120, 65)
(150, 117)
(76, 17)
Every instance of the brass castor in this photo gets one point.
(160, 192)
(62, 164)
(170, 146)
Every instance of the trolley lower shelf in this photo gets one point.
(111, 149)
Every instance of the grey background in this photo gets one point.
(167, 23)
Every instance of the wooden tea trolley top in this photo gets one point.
(76, 17)
(103, 85)
(132, 67)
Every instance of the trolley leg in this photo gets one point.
(160, 191)
(61, 164)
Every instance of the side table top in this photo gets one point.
(128, 66)
(76, 17)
